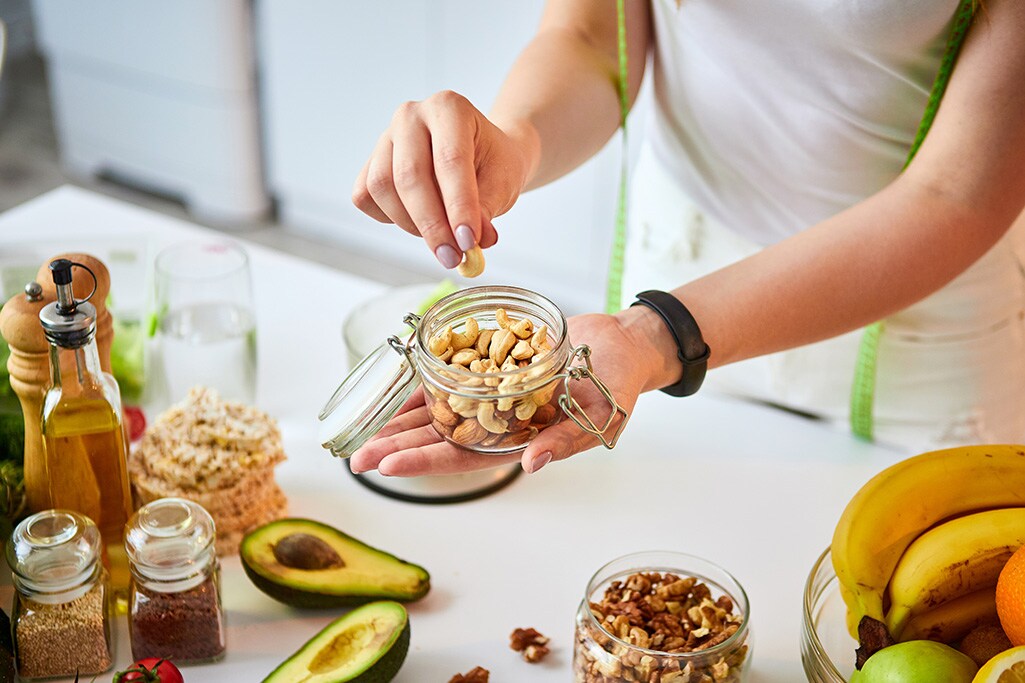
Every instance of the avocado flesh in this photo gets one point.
(367, 645)
(367, 573)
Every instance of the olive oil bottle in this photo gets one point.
(84, 445)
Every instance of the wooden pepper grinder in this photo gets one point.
(29, 363)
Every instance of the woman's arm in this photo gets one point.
(961, 193)
(443, 170)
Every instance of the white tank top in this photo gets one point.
(776, 114)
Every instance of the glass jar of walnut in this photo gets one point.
(496, 365)
(662, 617)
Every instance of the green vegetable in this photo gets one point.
(367, 645)
(444, 288)
(128, 360)
(6, 649)
(12, 497)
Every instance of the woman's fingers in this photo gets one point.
(451, 120)
(438, 458)
(362, 199)
(412, 169)
(558, 442)
(381, 186)
(418, 450)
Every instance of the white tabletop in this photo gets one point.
(755, 490)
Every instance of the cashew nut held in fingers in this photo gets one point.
(473, 263)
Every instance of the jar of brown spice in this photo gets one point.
(61, 618)
(174, 609)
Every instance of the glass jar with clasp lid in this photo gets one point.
(61, 620)
(497, 368)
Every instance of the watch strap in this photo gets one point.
(692, 350)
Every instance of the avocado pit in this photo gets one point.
(306, 551)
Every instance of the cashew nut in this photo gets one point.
(539, 340)
(466, 407)
(464, 380)
(473, 263)
(522, 328)
(544, 394)
(445, 356)
(467, 337)
(465, 356)
(483, 341)
(440, 342)
(522, 351)
(501, 343)
(487, 418)
(525, 410)
(502, 318)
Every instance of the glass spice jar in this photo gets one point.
(662, 616)
(174, 607)
(61, 620)
(495, 412)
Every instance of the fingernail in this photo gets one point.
(540, 461)
(448, 256)
(465, 238)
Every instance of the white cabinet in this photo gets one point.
(162, 94)
(332, 74)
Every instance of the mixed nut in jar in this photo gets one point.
(496, 365)
(662, 617)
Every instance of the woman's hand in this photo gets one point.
(443, 171)
(408, 445)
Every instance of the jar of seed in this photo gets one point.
(61, 619)
(174, 603)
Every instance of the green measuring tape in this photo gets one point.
(614, 284)
(863, 388)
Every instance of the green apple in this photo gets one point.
(917, 661)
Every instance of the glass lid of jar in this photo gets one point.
(170, 538)
(54, 550)
(367, 398)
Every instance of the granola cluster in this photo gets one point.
(659, 628)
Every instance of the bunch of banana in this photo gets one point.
(927, 537)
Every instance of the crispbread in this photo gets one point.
(220, 454)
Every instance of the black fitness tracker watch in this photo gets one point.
(691, 348)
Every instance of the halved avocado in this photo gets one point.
(308, 564)
(367, 645)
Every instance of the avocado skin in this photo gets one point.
(308, 599)
(381, 671)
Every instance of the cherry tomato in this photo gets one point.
(135, 421)
(150, 670)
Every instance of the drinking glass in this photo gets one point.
(204, 322)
